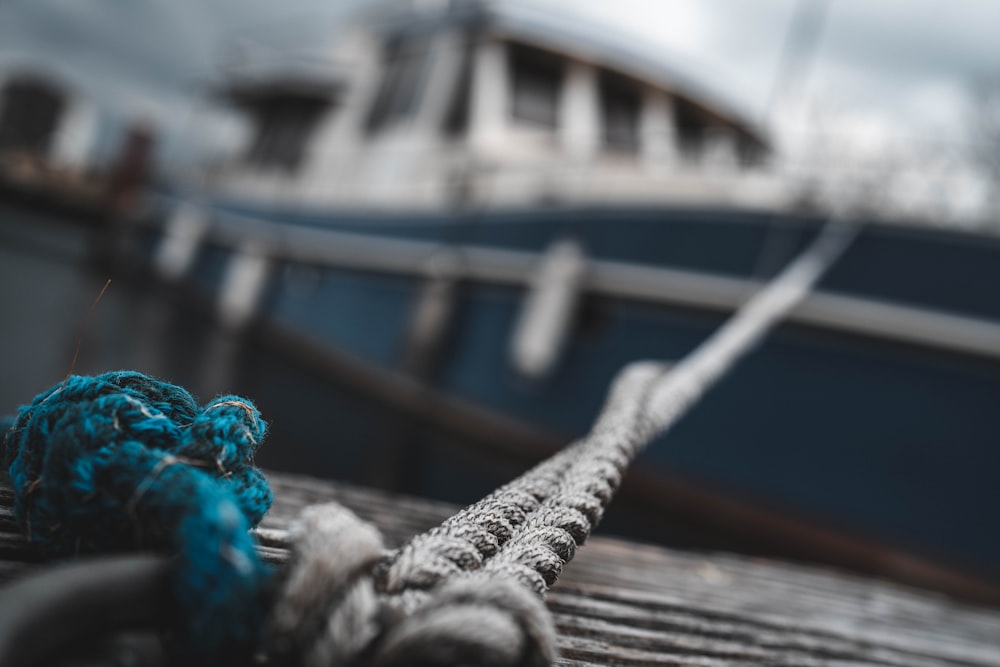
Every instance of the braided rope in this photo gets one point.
(469, 591)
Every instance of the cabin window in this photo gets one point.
(456, 119)
(29, 116)
(750, 153)
(621, 101)
(404, 62)
(284, 127)
(693, 128)
(536, 83)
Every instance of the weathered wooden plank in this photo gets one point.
(621, 603)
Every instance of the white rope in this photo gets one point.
(460, 593)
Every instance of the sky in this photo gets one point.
(911, 60)
(870, 74)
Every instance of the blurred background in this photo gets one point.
(424, 235)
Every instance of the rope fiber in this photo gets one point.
(123, 462)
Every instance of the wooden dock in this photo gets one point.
(621, 603)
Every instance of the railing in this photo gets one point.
(256, 237)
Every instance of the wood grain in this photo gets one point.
(622, 603)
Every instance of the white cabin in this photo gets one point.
(494, 104)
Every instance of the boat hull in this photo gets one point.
(881, 435)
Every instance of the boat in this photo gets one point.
(476, 213)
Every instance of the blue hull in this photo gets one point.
(895, 441)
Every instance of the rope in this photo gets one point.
(121, 462)
(469, 591)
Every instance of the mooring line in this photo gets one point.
(471, 588)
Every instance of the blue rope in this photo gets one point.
(121, 462)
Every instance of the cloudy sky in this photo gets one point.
(912, 60)
(875, 71)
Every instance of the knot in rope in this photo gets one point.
(334, 610)
(327, 612)
(121, 462)
(474, 619)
